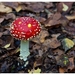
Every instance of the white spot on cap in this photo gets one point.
(39, 29)
(12, 31)
(13, 34)
(30, 30)
(36, 32)
(12, 27)
(16, 35)
(31, 37)
(23, 36)
(18, 32)
(22, 33)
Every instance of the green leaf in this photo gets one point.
(67, 44)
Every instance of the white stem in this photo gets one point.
(24, 49)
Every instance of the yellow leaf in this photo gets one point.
(7, 45)
(18, 8)
(35, 71)
(65, 7)
(67, 44)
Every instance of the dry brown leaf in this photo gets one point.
(61, 70)
(11, 4)
(58, 51)
(1, 42)
(71, 66)
(1, 34)
(64, 7)
(51, 43)
(56, 16)
(49, 4)
(41, 37)
(10, 16)
(1, 19)
(54, 20)
(8, 42)
(55, 35)
(18, 8)
(69, 29)
(52, 23)
(37, 6)
(36, 46)
(72, 17)
(38, 62)
(9, 54)
(5, 9)
(63, 61)
(40, 19)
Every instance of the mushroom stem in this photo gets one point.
(24, 49)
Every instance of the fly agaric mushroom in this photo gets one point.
(24, 28)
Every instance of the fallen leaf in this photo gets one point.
(38, 62)
(67, 44)
(1, 34)
(55, 35)
(36, 46)
(9, 54)
(18, 8)
(40, 52)
(41, 37)
(71, 66)
(11, 4)
(70, 17)
(57, 16)
(49, 5)
(35, 71)
(1, 19)
(51, 43)
(58, 52)
(8, 42)
(40, 19)
(61, 70)
(10, 16)
(1, 42)
(51, 22)
(65, 7)
(71, 53)
(7, 45)
(63, 60)
(69, 29)
(37, 6)
(5, 9)
(56, 20)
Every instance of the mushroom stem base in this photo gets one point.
(24, 49)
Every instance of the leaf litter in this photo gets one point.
(52, 51)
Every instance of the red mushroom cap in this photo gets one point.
(24, 28)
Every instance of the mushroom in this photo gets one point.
(23, 29)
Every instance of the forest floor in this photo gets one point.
(52, 51)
